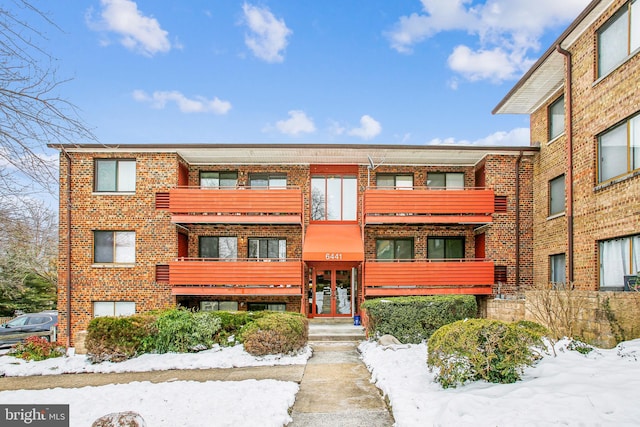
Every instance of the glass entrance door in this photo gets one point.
(332, 296)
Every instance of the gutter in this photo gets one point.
(68, 263)
(518, 163)
(569, 173)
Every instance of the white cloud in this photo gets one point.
(137, 32)
(297, 123)
(506, 30)
(268, 37)
(515, 137)
(369, 128)
(198, 104)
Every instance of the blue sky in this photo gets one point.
(286, 71)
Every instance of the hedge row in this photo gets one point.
(415, 319)
(180, 330)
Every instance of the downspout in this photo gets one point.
(68, 266)
(518, 162)
(569, 174)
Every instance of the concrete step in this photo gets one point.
(335, 330)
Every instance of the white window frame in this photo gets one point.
(113, 308)
(215, 180)
(124, 178)
(401, 181)
(282, 248)
(123, 249)
(227, 247)
(451, 180)
(218, 305)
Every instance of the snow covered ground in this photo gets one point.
(572, 389)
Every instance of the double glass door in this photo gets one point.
(332, 296)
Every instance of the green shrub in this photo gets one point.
(414, 319)
(231, 323)
(180, 330)
(117, 338)
(481, 349)
(37, 348)
(275, 333)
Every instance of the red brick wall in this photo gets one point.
(156, 238)
(601, 211)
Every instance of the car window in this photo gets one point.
(37, 320)
(18, 321)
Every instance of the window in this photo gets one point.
(114, 247)
(263, 180)
(267, 248)
(556, 118)
(392, 249)
(619, 258)
(443, 248)
(557, 268)
(619, 150)
(218, 179)
(619, 37)
(446, 180)
(334, 198)
(115, 175)
(261, 306)
(400, 182)
(113, 308)
(556, 195)
(218, 247)
(218, 306)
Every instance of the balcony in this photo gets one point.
(236, 206)
(207, 276)
(428, 206)
(428, 277)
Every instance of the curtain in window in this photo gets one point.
(613, 153)
(635, 254)
(612, 44)
(614, 262)
(635, 26)
(634, 139)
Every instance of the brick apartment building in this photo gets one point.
(319, 228)
(307, 228)
(583, 98)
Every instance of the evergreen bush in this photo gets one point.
(275, 333)
(414, 319)
(481, 349)
(117, 338)
(180, 330)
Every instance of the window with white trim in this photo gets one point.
(114, 175)
(113, 308)
(218, 305)
(619, 150)
(267, 248)
(448, 180)
(619, 37)
(218, 179)
(400, 182)
(114, 247)
(267, 180)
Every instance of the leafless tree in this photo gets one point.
(33, 113)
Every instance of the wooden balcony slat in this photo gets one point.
(241, 273)
(196, 200)
(429, 202)
(434, 274)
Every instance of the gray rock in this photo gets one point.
(120, 419)
(388, 340)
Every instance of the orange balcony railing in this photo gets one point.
(428, 277)
(279, 205)
(469, 205)
(207, 276)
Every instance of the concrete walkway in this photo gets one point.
(336, 390)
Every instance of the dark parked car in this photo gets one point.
(26, 324)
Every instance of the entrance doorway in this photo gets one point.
(333, 292)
